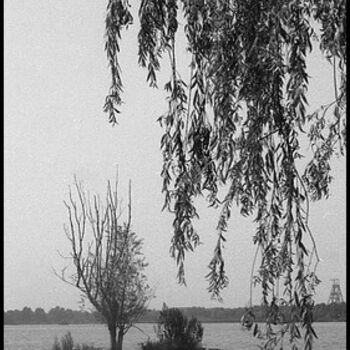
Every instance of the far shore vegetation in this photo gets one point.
(58, 315)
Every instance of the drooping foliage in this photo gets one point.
(242, 122)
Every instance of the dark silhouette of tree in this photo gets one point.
(57, 315)
(175, 331)
(40, 316)
(27, 315)
(109, 265)
(239, 122)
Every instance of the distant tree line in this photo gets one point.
(56, 315)
(59, 315)
(322, 313)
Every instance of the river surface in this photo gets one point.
(226, 336)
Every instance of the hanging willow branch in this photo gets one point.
(239, 124)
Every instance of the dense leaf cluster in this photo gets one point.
(240, 122)
(175, 332)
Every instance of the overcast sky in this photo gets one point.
(56, 79)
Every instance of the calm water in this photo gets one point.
(228, 336)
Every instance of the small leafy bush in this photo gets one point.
(67, 343)
(175, 332)
(56, 345)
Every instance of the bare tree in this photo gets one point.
(107, 259)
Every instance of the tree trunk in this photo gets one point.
(113, 336)
(120, 339)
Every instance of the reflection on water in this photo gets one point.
(227, 336)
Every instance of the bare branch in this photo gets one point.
(108, 266)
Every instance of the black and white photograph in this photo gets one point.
(175, 174)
